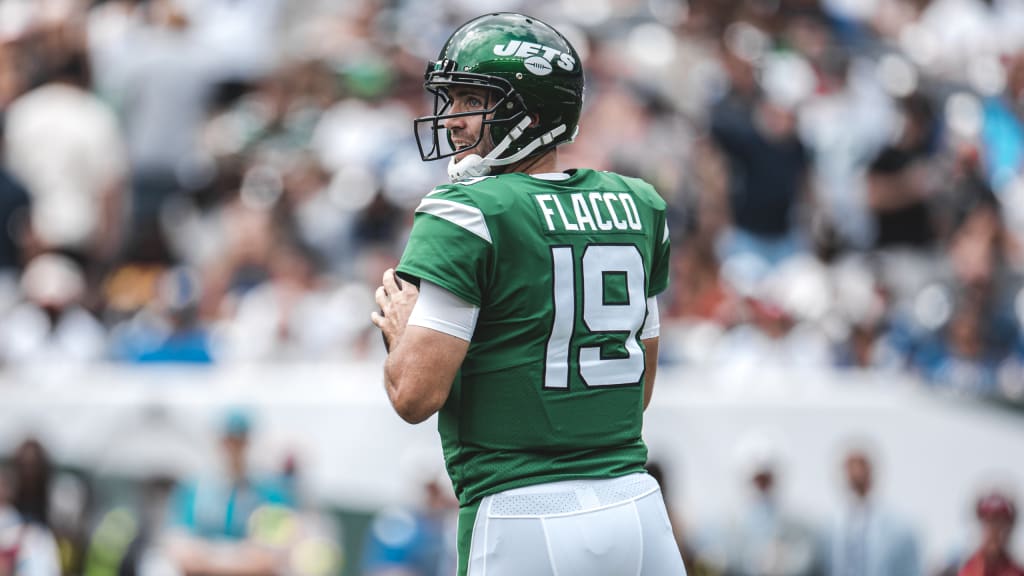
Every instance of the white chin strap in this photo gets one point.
(473, 166)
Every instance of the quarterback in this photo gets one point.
(523, 311)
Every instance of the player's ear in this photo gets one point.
(534, 119)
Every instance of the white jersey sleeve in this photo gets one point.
(652, 326)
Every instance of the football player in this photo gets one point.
(526, 316)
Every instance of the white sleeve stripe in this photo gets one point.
(467, 217)
(664, 237)
(652, 326)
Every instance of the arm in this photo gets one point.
(649, 336)
(420, 370)
(894, 188)
(650, 368)
(195, 556)
(111, 205)
(422, 362)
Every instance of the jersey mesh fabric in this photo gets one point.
(491, 243)
(534, 504)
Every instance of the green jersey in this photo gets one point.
(552, 384)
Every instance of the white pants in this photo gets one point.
(609, 527)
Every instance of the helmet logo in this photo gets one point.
(538, 65)
(538, 58)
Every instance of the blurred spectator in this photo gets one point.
(10, 79)
(765, 539)
(64, 144)
(951, 38)
(901, 180)
(782, 315)
(848, 119)
(1011, 373)
(873, 339)
(158, 76)
(167, 329)
(14, 211)
(71, 501)
(308, 536)
(866, 538)
(959, 358)
(872, 344)
(246, 233)
(978, 243)
(239, 38)
(768, 172)
(701, 302)
(27, 545)
(307, 542)
(277, 319)
(51, 324)
(695, 565)
(52, 499)
(211, 515)
(125, 540)
(967, 352)
(997, 515)
(14, 198)
(1002, 133)
(324, 217)
(415, 541)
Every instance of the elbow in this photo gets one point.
(411, 411)
(416, 388)
(412, 403)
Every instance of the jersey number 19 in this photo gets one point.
(616, 319)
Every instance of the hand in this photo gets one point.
(396, 300)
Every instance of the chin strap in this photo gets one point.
(473, 166)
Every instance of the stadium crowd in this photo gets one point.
(223, 181)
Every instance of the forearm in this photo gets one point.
(422, 362)
(199, 557)
(893, 192)
(419, 371)
(398, 375)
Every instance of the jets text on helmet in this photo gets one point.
(521, 49)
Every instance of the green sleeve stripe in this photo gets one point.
(466, 217)
(664, 237)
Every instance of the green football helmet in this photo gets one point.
(537, 81)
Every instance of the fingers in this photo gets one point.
(383, 297)
(394, 298)
(390, 281)
(378, 319)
